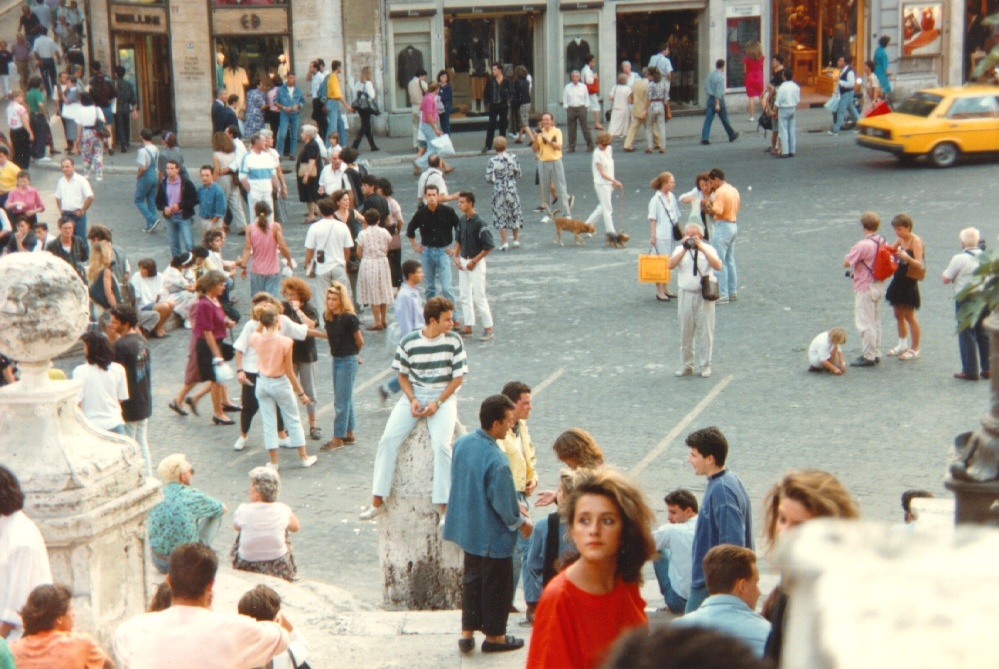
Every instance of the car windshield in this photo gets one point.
(920, 104)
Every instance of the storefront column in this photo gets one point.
(193, 63)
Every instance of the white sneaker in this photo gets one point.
(240, 444)
(272, 465)
(441, 524)
(372, 512)
(44, 159)
(705, 372)
(516, 244)
(309, 461)
(683, 371)
(187, 324)
(722, 300)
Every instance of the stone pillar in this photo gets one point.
(421, 571)
(973, 474)
(85, 487)
(871, 595)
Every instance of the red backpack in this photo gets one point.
(885, 260)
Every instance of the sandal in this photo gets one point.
(911, 354)
(898, 350)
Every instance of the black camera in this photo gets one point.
(690, 243)
(320, 256)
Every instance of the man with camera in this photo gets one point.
(868, 291)
(695, 260)
(547, 143)
(328, 243)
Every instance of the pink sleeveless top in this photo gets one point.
(264, 246)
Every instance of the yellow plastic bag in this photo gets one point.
(653, 268)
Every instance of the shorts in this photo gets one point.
(203, 354)
(524, 115)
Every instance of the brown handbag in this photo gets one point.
(916, 272)
(307, 170)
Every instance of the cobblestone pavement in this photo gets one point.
(600, 350)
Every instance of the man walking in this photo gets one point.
(211, 201)
(317, 93)
(714, 87)
(48, 54)
(726, 515)
(497, 96)
(787, 99)
(973, 338)
(867, 291)
(725, 209)
(431, 366)
(132, 353)
(675, 542)
(336, 105)
(147, 158)
(289, 101)
(484, 522)
(436, 223)
(639, 111)
(127, 103)
(73, 196)
(177, 198)
(473, 244)
(845, 85)
(576, 101)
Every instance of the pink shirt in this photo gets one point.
(861, 257)
(271, 350)
(429, 108)
(29, 198)
(265, 253)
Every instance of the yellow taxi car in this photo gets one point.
(940, 123)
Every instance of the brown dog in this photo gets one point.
(617, 240)
(572, 225)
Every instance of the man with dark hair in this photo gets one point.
(189, 633)
(484, 521)
(123, 113)
(845, 85)
(374, 200)
(497, 97)
(675, 542)
(726, 515)
(290, 101)
(336, 104)
(177, 198)
(218, 109)
(24, 560)
(724, 207)
(907, 513)
(132, 353)
(474, 241)
(211, 201)
(520, 451)
(734, 583)
(431, 366)
(436, 224)
(69, 247)
(714, 87)
(74, 196)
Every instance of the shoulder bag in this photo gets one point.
(709, 284)
(677, 232)
(916, 272)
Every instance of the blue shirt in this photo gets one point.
(212, 202)
(534, 562)
(408, 309)
(730, 615)
(726, 517)
(483, 509)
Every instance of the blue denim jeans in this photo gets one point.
(697, 597)
(333, 121)
(179, 235)
(675, 602)
(288, 123)
(145, 196)
(723, 240)
(344, 375)
(265, 283)
(971, 341)
(722, 114)
(845, 108)
(437, 265)
(519, 552)
(273, 395)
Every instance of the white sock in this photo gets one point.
(903, 344)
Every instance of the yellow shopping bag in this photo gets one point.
(653, 268)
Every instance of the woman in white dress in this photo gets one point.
(664, 214)
(620, 113)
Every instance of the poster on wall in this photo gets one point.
(921, 34)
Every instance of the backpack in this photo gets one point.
(885, 261)
(102, 90)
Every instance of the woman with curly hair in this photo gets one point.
(262, 528)
(797, 498)
(596, 598)
(576, 449)
(299, 308)
(49, 641)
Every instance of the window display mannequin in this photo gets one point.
(235, 81)
(575, 54)
(409, 62)
(479, 71)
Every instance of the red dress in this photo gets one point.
(754, 76)
(575, 630)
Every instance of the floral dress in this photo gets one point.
(374, 278)
(502, 172)
(254, 121)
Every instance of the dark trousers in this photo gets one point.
(248, 397)
(577, 115)
(365, 131)
(20, 139)
(123, 129)
(499, 114)
(48, 70)
(973, 342)
(485, 594)
(43, 135)
(319, 116)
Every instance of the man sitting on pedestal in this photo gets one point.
(675, 543)
(431, 365)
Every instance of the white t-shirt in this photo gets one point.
(73, 192)
(603, 157)
(819, 350)
(961, 268)
(86, 116)
(332, 236)
(148, 290)
(258, 170)
(101, 393)
(262, 527)
(289, 328)
(14, 110)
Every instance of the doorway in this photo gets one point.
(639, 34)
(146, 59)
(259, 55)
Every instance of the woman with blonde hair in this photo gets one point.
(576, 449)
(262, 528)
(277, 385)
(753, 63)
(664, 219)
(798, 497)
(105, 292)
(343, 332)
(617, 99)
(596, 598)
(226, 176)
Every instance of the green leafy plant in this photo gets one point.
(981, 295)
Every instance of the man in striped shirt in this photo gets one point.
(431, 365)
(257, 172)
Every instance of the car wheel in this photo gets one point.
(944, 154)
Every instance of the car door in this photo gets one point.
(974, 122)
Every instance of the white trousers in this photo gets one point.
(472, 286)
(253, 197)
(697, 321)
(867, 318)
(604, 207)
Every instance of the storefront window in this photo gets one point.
(740, 30)
(412, 53)
(254, 3)
(639, 35)
(240, 62)
(814, 34)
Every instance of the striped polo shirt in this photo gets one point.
(257, 169)
(430, 363)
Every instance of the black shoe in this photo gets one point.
(375, 148)
(510, 643)
(178, 409)
(733, 137)
(705, 142)
(219, 421)
(863, 362)
(466, 645)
